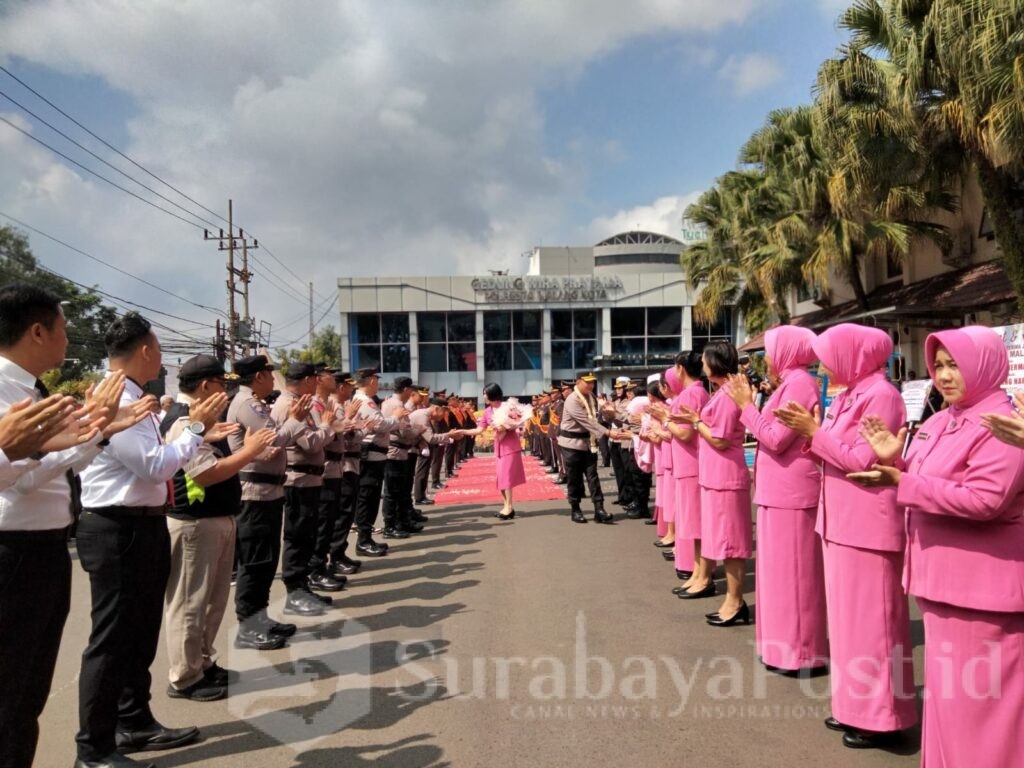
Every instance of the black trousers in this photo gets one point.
(35, 596)
(437, 453)
(259, 549)
(301, 514)
(371, 480)
(348, 493)
(327, 520)
(604, 445)
(580, 465)
(556, 457)
(641, 484)
(420, 476)
(128, 560)
(395, 507)
(545, 449)
(451, 452)
(410, 476)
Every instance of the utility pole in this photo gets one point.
(309, 342)
(229, 243)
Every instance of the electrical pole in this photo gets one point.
(229, 243)
(309, 343)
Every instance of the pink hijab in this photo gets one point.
(980, 355)
(673, 381)
(789, 347)
(852, 352)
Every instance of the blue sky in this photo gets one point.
(398, 138)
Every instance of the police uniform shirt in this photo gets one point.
(253, 414)
(379, 430)
(420, 419)
(577, 419)
(308, 447)
(404, 437)
(334, 447)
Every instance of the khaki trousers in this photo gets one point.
(202, 554)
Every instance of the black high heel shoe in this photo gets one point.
(510, 516)
(743, 614)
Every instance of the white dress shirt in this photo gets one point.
(36, 495)
(134, 469)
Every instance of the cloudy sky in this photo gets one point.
(361, 137)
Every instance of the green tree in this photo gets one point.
(325, 347)
(87, 317)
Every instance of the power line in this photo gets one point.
(320, 320)
(29, 227)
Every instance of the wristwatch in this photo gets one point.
(196, 427)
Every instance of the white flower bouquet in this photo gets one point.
(511, 414)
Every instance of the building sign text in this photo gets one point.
(522, 289)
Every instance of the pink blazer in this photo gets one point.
(505, 444)
(849, 513)
(785, 475)
(685, 455)
(723, 470)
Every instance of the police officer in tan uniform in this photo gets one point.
(397, 501)
(351, 450)
(578, 435)
(259, 522)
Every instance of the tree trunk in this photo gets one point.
(853, 277)
(1005, 201)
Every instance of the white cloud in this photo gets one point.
(356, 137)
(751, 73)
(664, 216)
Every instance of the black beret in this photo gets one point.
(299, 371)
(438, 401)
(201, 367)
(247, 366)
(402, 382)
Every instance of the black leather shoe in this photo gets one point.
(346, 560)
(662, 545)
(371, 549)
(411, 527)
(323, 599)
(635, 513)
(258, 638)
(561, 480)
(302, 604)
(425, 502)
(869, 740)
(743, 614)
(154, 738)
(668, 554)
(708, 591)
(276, 627)
(395, 533)
(600, 516)
(203, 689)
(834, 725)
(342, 569)
(437, 486)
(221, 676)
(650, 521)
(577, 516)
(678, 590)
(683, 575)
(113, 761)
(325, 583)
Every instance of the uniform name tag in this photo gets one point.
(922, 435)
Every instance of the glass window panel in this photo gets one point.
(663, 345)
(430, 326)
(461, 326)
(561, 324)
(527, 355)
(365, 329)
(561, 354)
(584, 322)
(462, 356)
(498, 356)
(584, 352)
(365, 356)
(497, 326)
(721, 327)
(627, 345)
(628, 322)
(526, 325)
(396, 358)
(433, 358)
(395, 328)
(664, 321)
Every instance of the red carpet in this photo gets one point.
(474, 483)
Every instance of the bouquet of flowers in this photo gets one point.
(511, 414)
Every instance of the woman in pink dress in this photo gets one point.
(963, 492)
(792, 629)
(862, 533)
(664, 504)
(508, 450)
(726, 528)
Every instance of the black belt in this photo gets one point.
(334, 455)
(306, 469)
(402, 446)
(575, 435)
(375, 448)
(128, 511)
(353, 454)
(262, 477)
(32, 537)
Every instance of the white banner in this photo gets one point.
(1013, 338)
(915, 398)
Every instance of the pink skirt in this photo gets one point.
(792, 627)
(688, 500)
(974, 687)
(684, 543)
(869, 637)
(659, 504)
(726, 527)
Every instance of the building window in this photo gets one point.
(720, 330)
(646, 331)
(447, 341)
(380, 341)
(893, 266)
(573, 338)
(512, 341)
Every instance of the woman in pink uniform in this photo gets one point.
(685, 379)
(963, 491)
(726, 527)
(508, 450)
(863, 540)
(792, 631)
(664, 492)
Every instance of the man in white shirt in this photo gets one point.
(124, 546)
(36, 507)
